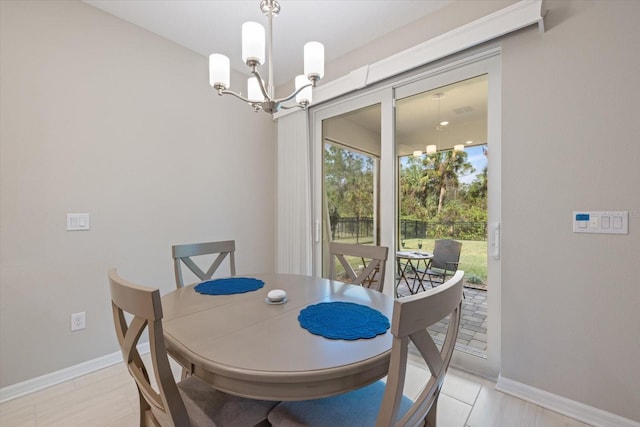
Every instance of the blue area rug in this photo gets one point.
(343, 320)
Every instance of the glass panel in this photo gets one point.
(441, 143)
(351, 158)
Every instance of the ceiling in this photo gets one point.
(214, 26)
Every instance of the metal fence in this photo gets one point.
(411, 229)
(358, 228)
(352, 228)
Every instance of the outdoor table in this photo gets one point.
(411, 265)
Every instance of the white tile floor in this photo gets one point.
(109, 398)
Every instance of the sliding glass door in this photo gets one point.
(350, 179)
(351, 183)
(388, 170)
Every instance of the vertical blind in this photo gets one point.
(294, 231)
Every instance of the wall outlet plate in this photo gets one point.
(78, 321)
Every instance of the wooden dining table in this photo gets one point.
(245, 346)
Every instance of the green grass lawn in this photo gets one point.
(473, 258)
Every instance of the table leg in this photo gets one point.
(419, 276)
(402, 270)
(416, 275)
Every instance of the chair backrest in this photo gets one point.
(183, 253)
(374, 260)
(446, 254)
(411, 317)
(164, 406)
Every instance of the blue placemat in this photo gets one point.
(343, 320)
(229, 285)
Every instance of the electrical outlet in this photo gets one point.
(78, 321)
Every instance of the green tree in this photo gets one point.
(411, 206)
(348, 182)
(440, 176)
(478, 188)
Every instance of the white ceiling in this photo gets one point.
(214, 26)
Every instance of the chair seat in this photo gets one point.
(358, 408)
(437, 272)
(207, 406)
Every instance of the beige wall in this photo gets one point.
(571, 302)
(100, 116)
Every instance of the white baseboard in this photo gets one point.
(20, 389)
(571, 408)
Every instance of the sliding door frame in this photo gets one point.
(461, 67)
(487, 63)
(386, 171)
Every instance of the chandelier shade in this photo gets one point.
(314, 60)
(253, 90)
(219, 70)
(252, 43)
(261, 96)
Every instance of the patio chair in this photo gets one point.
(374, 260)
(188, 403)
(183, 253)
(385, 405)
(445, 260)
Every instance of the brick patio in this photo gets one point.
(472, 335)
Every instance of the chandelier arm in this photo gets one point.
(237, 95)
(256, 73)
(293, 95)
(301, 106)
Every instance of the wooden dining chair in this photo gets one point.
(182, 254)
(188, 403)
(383, 405)
(374, 260)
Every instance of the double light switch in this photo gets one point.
(77, 221)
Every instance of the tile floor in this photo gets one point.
(108, 398)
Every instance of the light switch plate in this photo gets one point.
(601, 222)
(77, 221)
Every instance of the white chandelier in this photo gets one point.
(253, 49)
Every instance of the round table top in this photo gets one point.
(244, 346)
(414, 255)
